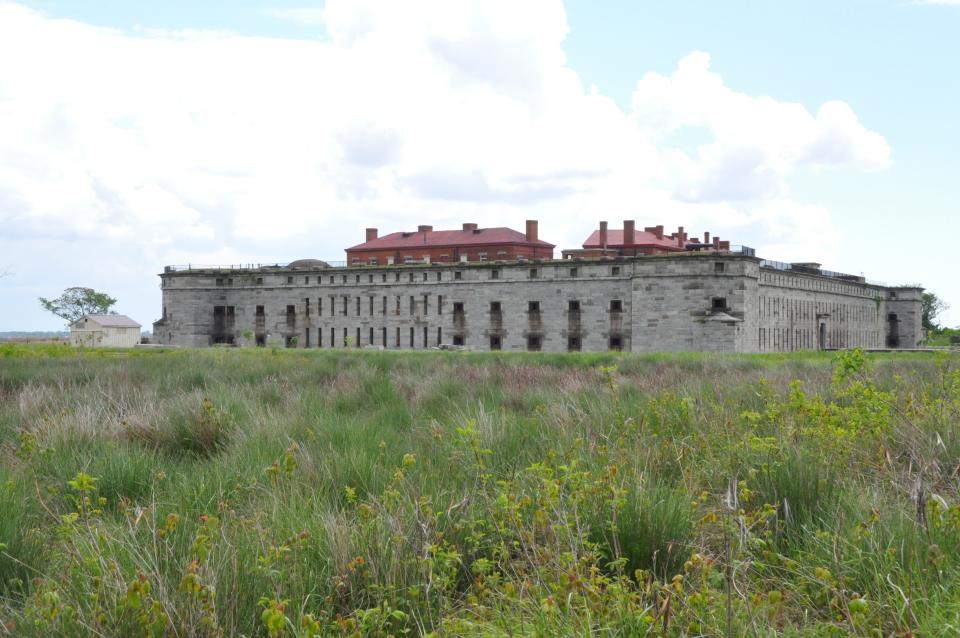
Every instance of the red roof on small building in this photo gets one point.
(442, 238)
(640, 238)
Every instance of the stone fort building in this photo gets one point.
(500, 289)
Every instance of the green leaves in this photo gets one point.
(78, 301)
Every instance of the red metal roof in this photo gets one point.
(640, 238)
(442, 238)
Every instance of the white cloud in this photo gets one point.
(304, 16)
(424, 111)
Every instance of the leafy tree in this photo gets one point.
(77, 302)
(931, 307)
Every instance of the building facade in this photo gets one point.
(719, 301)
(470, 243)
(105, 331)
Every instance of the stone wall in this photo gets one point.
(684, 302)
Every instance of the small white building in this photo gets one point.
(106, 331)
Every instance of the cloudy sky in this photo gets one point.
(139, 134)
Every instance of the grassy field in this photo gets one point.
(321, 493)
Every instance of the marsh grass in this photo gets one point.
(346, 493)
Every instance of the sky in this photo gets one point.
(135, 135)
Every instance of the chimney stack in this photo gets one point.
(603, 235)
(629, 238)
(716, 243)
(423, 228)
(469, 226)
(680, 237)
(531, 230)
(706, 237)
(660, 231)
(371, 234)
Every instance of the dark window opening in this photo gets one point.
(719, 266)
(261, 340)
(573, 344)
(439, 276)
(616, 342)
(457, 275)
(533, 307)
(495, 273)
(219, 281)
(574, 272)
(573, 306)
(439, 304)
(615, 271)
(259, 280)
(260, 312)
(290, 279)
(718, 303)
(534, 273)
(533, 343)
(306, 279)
(495, 307)
(370, 278)
(411, 336)
(357, 343)
(439, 335)
(290, 341)
(458, 340)
(458, 307)
(616, 305)
(371, 335)
(495, 342)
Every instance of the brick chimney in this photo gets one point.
(680, 237)
(371, 234)
(716, 243)
(706, 237)
(531, 230)
(660, 231)
(603, 235)
(469, 226)
(629, 237)
(423, 228)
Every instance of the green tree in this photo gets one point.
(931, 307)
(78, 301)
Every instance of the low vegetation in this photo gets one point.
(331, 493)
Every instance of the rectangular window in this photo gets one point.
(333, 337)
(439, 276)
(408, 259)
(573, 306)
(495, 273)
(373, 261)
(615, 271)
(534, 273)
(439, 335)
(426, 304)
(357, 344)
(616, 305)
(371, 335)
(495, 307)
(439, 304)
(306, 307)
(425, 275)
(411, 337)
(426, 336)
(533, 307)
(396, 276)
(458, 340)
(718, 303)
(458, 307)
(574, 272)
(482, 256)
(397, 342)
(290, 279)
(331, 279)
(291, 310)
(413, 305)
(343, 279)
(533, 343)
(457, 275)
(410, 277)
(358, 306)
(370, 278)
(384, 310)
(260, 312)
(346, 303)
(384, 337)
(356, 279)
(333, 308)
(718, 266)
(573, 343)
(306, 279)
(616, 342)
(259, 281)
(219, 281)
(319, 306)
(495, 342)
(397, 310)
(383, 277)
(229, 281)
(371, 306)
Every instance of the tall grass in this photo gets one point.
(340, 493)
